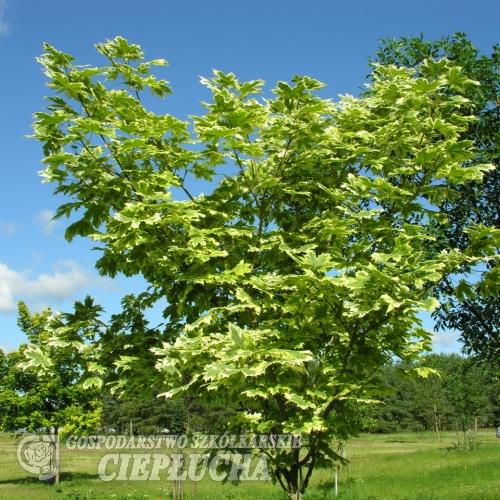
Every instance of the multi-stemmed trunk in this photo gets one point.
(292, 479)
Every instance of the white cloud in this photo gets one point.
(68, 278)
(44, 220)
(8, 228)
(6, 348)
(4, 25)
(447, 341)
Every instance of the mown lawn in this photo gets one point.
(382, 467)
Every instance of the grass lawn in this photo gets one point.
(382, 467)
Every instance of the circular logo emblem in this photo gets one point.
(39, 455)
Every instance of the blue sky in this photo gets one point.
(326, 39)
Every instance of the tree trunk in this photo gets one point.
(58, 458)
(54, 440)
(436, 422)
(475, 432)
(297, 495)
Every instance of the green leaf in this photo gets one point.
(92, 382)
(237, 336)
(425, 371)
(36, 358)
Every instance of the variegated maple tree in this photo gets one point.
(301, 272)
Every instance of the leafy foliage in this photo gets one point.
(470, 299)
(301, 272)
(148, 416)
(459, 392)
(31, 398)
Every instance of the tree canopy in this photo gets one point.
(452, 400)
(468, 306)
(302, 271)
(32, 400)
(49, 400)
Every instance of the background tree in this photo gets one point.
(395, 413)
(431, 406)
(146, 415)
(467, 391)
(453, 399)
(208, 419)
(467, 306)
(48, 400)
(127, 335)
(302, 272)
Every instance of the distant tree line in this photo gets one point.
(140, 415)
(452, 400)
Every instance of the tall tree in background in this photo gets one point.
(468, 306)
(467, 391)
(34, 399)
(454, 399)
(145, 415)
(302, 272)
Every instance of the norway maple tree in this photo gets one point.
(303, 269)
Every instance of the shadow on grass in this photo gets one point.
(401, 441)
(67, 477)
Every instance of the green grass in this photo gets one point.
(382, 467)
